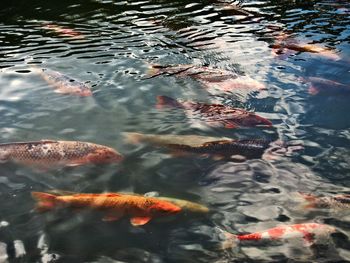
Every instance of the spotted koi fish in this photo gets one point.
(308, 232)
(324, 86)
(328, 202)
(141, 209)
(47, 154)
(215, 115)
(203, 145)
(63, 31)
(63, 84)
(211, 79)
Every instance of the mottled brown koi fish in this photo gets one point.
(203, 145)
(63, 84)
(337, 202)
(215, 115)
(49, 154)
(211, 79)
(141, 209)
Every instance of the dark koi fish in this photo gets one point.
(141, 209)
(336, 202)
(64, 84)
(48, 154)
(215, 115)
(203, 145)
(308, 232)
(211, 79)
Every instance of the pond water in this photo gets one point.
(113, 46)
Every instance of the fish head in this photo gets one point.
(4, 156)
(255, 120)
(105, 155)
(163, 208)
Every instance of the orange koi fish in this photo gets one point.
(215, 115)
(324, 86)
(63, 31)
(308, 232)
(48, 154)
(141, 209)
(328, 202)
(285, 42)
(211, 79)
(64, 84)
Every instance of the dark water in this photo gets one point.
(120, 38)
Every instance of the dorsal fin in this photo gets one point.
(29, 142)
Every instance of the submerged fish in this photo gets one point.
(185, 205)
(49, 154)
(308, 232)
(63, 31)
(216, 146)
(331, 202)
(321, 85)
(64, 84)
(212, 79)
(285, 42)
(141, 209)
(215, 115)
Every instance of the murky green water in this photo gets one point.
(120, 40)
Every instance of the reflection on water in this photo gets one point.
(298, 51)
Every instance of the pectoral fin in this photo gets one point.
(140, 221)
(112, 216)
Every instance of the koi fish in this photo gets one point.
(308, 232)
(329, 202)
(285, 42)
(225, 6)
(216, 146)
(185, 205)
(63, 31)
(140, 209)
(64, 84)
(48, 154)
(211, 79)
(321, 85)
(215, 115)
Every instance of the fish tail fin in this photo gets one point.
(132, 137)
(165, 101)
(229, 240)
(45, 201)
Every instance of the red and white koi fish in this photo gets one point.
(307, 232)
(212, 79)
(338, 202)
(141, 209)
(326, 86)
(63, 84)
(215, 115)
(63, 31)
